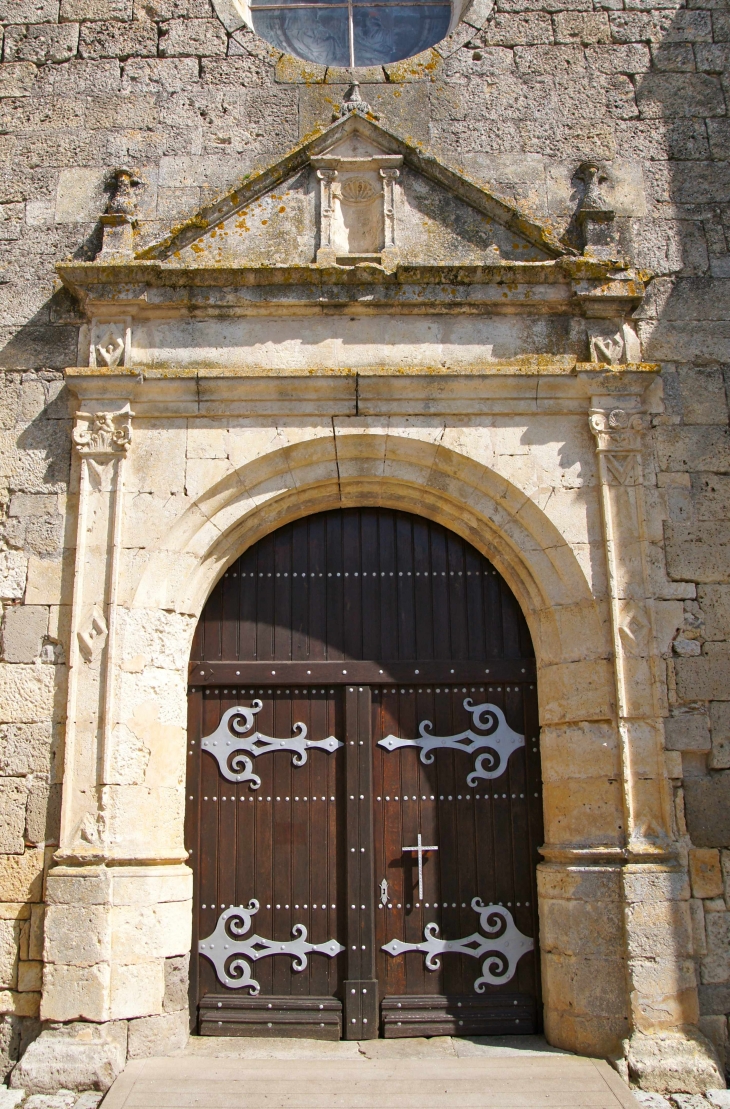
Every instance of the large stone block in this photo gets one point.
(13, 572)
(670, 1062)
(166, 1034)
(13, 798)
(689, 449)
(77, 934)
(9, 947)
(687, 732)
(708, 810)
(695, 551)
(177, 970)
(23, 629)
(21, 876)
(715, 602)
(73, 1057)
(76, 993)
(41, 42)
(705, 872)
(27, 692)
(703, 678)
(192, 37)
(715, 966)
(719, 758)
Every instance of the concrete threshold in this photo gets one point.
(510, 1072)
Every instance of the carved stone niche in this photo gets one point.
(357, 209)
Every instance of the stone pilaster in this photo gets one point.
(663, 1050)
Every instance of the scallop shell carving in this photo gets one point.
(358, 190)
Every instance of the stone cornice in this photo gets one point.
(556, 388)
(565, 286)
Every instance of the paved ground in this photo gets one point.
(517, 1072)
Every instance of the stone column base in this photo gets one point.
(682, 1061)
(76, 1056)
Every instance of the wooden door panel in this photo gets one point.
(281, 843)
(417, 622)
(486, 834)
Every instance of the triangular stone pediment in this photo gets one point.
(357, 194)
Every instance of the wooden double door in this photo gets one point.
(363, 802)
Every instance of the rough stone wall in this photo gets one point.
(519, 102)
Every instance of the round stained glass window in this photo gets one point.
(352, 33)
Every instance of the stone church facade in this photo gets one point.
(487, 286)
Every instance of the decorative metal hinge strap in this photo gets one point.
(500, 741)
(228, 743)
(228, 952)
(504, 945)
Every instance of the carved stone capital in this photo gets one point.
(616, 430)
(103, 434)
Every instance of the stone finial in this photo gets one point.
(122, 182)
(354, 103)
(119, 217)
(594, 217)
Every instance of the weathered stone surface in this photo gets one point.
(702, 679)
(160, 1035)
(13, 570)
(13, 798)
(715, 966)
(176, 983)
(705, 872)
(669, 1062)
(74, 1056)
(687, 732)
(22, 632)
(708, 813)
(695, 551)
(41, 42)
(719, 758)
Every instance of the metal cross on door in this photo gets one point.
(420, 850)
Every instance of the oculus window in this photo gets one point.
(352, 33)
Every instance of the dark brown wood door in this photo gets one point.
(479, 836)
(361, 678)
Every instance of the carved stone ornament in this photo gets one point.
(231, 748)
(617, 430)
(92, 634)
(109, 346)
(594, 216)
(103, 433)
(501, 948)
(497, 741)
(228, 951)
(123, 184)
(353, 102)
(613, 342)
(357, 207)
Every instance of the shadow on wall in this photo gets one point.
(683, 135)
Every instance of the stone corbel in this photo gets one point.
(102, 437)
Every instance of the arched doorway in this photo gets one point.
(364, 803)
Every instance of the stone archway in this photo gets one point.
(591, 999)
